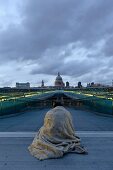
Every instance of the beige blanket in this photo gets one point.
(56, 137)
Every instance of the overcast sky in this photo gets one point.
(38, 38)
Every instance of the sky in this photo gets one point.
(40, 38)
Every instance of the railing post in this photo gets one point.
(1, 104)
(112, 105)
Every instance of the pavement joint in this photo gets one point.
(79, 133)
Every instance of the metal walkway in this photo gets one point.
(17, 133)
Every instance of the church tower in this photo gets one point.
(42, 84)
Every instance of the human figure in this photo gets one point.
(57, 136)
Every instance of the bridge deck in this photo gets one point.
(96, 135)
(33, 120)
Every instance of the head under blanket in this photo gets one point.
(56, 137)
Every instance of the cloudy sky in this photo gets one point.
(38, 38)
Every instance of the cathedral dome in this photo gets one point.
(59, 81)
(59, 77)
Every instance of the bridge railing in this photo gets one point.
(14, 104)
(97, 103)
(17, 103)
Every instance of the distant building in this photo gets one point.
(79, 84)
(23, 85)
(59, 82)
(95, 85)
(88, 85)
(7, 87)
(99, 85)
(67, 84)
(42, 84)
(92, 84)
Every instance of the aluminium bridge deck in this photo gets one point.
(96, 132)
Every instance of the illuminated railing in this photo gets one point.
(16, 102)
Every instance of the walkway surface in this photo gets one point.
(96, 132)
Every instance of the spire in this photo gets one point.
(58, 73)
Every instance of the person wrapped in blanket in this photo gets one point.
(57, 136)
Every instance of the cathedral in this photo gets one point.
(58, 81)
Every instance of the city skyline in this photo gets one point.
(58, 82)
(40, 38)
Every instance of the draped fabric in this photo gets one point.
(56, 137)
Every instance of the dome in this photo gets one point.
(59, 81)
(59, 78)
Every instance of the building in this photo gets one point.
(88, 85)
(79, 84)
(67, 84)
(23, 85)
(42, 84)
(58, 81)
(95, 85)
(92, 84)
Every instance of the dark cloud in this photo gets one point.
(75, 68)
(108, 48)
(45, 29)
(49, 24)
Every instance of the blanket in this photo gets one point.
(57, 136)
